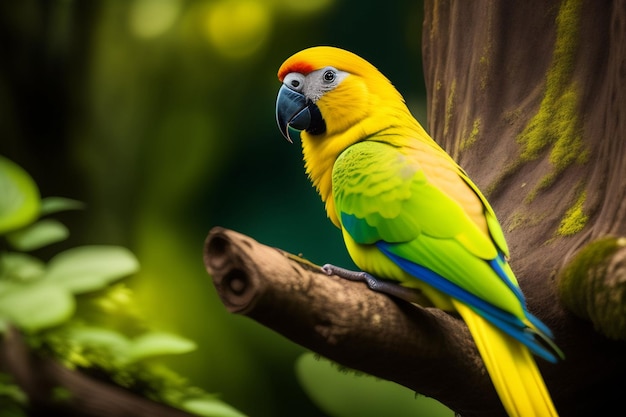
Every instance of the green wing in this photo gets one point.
(383, 195)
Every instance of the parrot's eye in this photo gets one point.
(329, 76)
(295, 83)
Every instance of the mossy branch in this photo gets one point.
(53, 389)
(593, 286)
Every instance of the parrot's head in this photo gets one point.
(335, 99)
(327, 90)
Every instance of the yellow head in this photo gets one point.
(335, 99)
(344, 87)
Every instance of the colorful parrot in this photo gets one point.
(409, 213)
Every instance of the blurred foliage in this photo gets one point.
(69, 307)
(345, 393)
(13, 401)
(159, 115)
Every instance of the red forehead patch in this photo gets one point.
(298, 66)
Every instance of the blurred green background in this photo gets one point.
(159, 115)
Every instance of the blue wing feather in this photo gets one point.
(505, 321)
(496, 264)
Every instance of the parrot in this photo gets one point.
(410, 215)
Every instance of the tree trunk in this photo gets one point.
(529, 98)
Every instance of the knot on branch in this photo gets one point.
(233, 278)
(593, 286)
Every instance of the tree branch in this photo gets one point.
(424, 349)
(350, 324)
(53, 389)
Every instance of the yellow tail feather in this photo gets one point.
(511, 367)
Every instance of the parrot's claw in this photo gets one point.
(386, 287)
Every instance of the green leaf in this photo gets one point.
(36, 306)
(9, 389)
(19, 197)
(342, 394)
(38, 235)
(20, 266)
(12, 410)
(159, 343)
(100, 337)
(60, 394)
(51, 205)
(210, 407)
(90, 268)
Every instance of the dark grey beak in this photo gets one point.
(294, 111)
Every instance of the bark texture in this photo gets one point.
(530, 98)
(345, 321)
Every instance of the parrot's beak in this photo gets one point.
(293, 110)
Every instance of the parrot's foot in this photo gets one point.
(386, 287)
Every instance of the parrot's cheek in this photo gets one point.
(293, 110)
